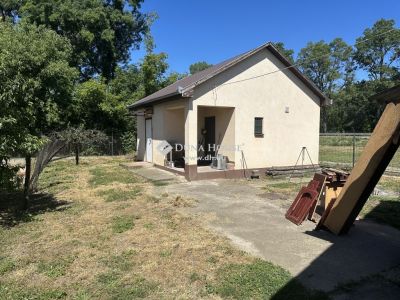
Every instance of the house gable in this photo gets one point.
(187, 85)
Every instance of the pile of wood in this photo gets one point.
(314, 199)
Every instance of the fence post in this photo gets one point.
(354, 148)
(112, 143)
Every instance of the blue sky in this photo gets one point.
(191, 31)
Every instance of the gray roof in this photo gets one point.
(191, 81)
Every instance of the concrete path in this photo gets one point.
(148, 171)
(240, 210)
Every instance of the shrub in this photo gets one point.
(9, 181)
(128, 140)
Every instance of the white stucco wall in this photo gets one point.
(168, 122)
(267, 97)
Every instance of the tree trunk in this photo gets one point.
(77, 154)
(28, 165)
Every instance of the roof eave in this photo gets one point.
(135, 106)
(388, 95)
(227, 66)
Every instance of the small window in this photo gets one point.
(258, 127)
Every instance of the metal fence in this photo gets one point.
(341, 150)
(113, 146)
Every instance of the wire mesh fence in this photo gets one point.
(113, 145)
(341, 150)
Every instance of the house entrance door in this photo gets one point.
(209, 126)
(149, 141)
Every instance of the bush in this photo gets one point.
(128, 140)
(9, 181)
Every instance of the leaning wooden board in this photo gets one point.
(366, 173)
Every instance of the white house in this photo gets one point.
(255, 110)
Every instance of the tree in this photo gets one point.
(101, 32)
(329, 66)
(9, 9)
(78, 137)
(36, 84)
(288, 53)
(198, 66)
(378, 50)
(153, 68)
(95, 106)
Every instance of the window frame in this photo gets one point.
(258, 133)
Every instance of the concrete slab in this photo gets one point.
(152, 173)
(256, 224)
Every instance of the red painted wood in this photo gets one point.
(301, 205)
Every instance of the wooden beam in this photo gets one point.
(369, 168)
(389, 95)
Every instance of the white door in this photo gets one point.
(149, 141)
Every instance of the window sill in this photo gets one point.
(259, 135)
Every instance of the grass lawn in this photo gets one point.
(385, 206)
(97, 231)
(339, 151)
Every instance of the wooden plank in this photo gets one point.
(366, 173)
(321, 179)
(389, 95)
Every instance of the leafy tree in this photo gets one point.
(153, 69)
(96, 107)
(101, 32)
(354, 110)
(288, 53)
(9, 9)
(329, 66)
(78, 137)
(36, 83)
(378, 50)
(198, 66)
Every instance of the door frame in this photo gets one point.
(145, 138)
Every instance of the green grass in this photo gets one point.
(193, 277)
(107, 175)
(383, 209)
(64, 170)
(14, 292)
(258, 280)
(122, 223)
(389, 183)
(282, 187)
(6, 265)
(160, 182)
(339, 150)
(54, 269)
(113, 195)
(342, 141)
(122, 262)
(166, 253)
(118, 288)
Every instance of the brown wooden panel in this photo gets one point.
(301, 206)
(377, 154)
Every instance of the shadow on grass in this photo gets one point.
(387, 211)
(39, 203)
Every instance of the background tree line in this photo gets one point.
(350, 75)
